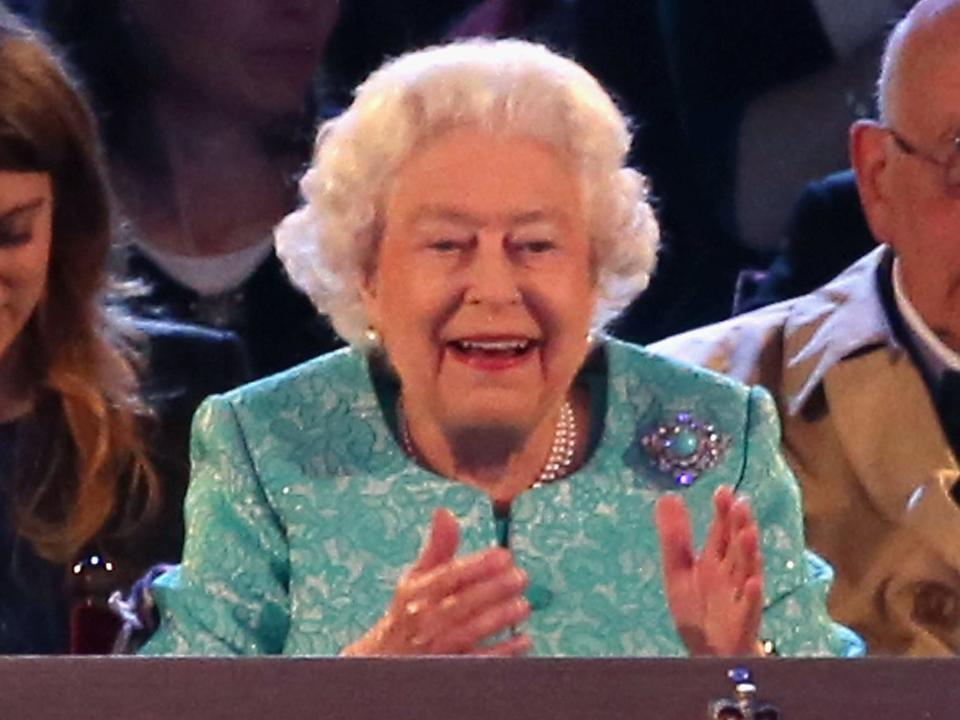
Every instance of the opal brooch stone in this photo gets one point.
(685, 448)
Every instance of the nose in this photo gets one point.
(492, 275)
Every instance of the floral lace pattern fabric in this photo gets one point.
(304, 511)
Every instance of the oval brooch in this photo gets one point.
(685, 448)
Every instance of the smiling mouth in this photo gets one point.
(493, 352)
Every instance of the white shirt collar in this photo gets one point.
(934, 355)
(209, 275)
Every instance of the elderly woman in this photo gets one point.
(469, 228)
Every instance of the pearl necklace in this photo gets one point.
(562, 450)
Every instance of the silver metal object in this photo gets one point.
(744, 704)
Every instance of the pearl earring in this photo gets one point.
(372, 336)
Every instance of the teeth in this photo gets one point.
(494, 345)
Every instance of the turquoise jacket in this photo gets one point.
(304, 510)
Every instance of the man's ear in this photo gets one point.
(868, 156)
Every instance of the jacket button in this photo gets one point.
(539, 596)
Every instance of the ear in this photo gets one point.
(869, 158)
(367, 286)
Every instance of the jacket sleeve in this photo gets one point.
(229, 596)
(796, 581)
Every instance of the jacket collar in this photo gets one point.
(840, 338)
(845, 317)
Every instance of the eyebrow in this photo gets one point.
(449, 214)
(22, 209)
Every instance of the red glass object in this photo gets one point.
(94, 627)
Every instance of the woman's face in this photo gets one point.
(26, 210)
(483, 290)
(255, 56)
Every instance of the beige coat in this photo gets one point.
(863, 437)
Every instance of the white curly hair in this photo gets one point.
(500, 86)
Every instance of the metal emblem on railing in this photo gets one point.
(744, 704)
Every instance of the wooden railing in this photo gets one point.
(75, 688)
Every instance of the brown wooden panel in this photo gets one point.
(467, 689)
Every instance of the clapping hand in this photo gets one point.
(716, 597)
(445, 605)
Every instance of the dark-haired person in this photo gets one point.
(207, 108)
(76, 437)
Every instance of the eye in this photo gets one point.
(448, 245)
(14, 237)
(16, 225)
(535, 246)
(539, 246)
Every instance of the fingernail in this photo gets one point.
(518, 578)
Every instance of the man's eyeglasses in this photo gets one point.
(950, 165)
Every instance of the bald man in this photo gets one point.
(866, 370)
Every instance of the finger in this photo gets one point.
(675, 533)
(745, 545)
(492, 621)
(400, 633)
(514, 647)
(741, 514)
(442, 541)
(745, 557)
(713, 567)
(756, 568)
(718, 537)
(451, 616)
(747, 610)
(753, 583)
(478, 597)
(676, 547)
(456, 575)
(752, 614)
